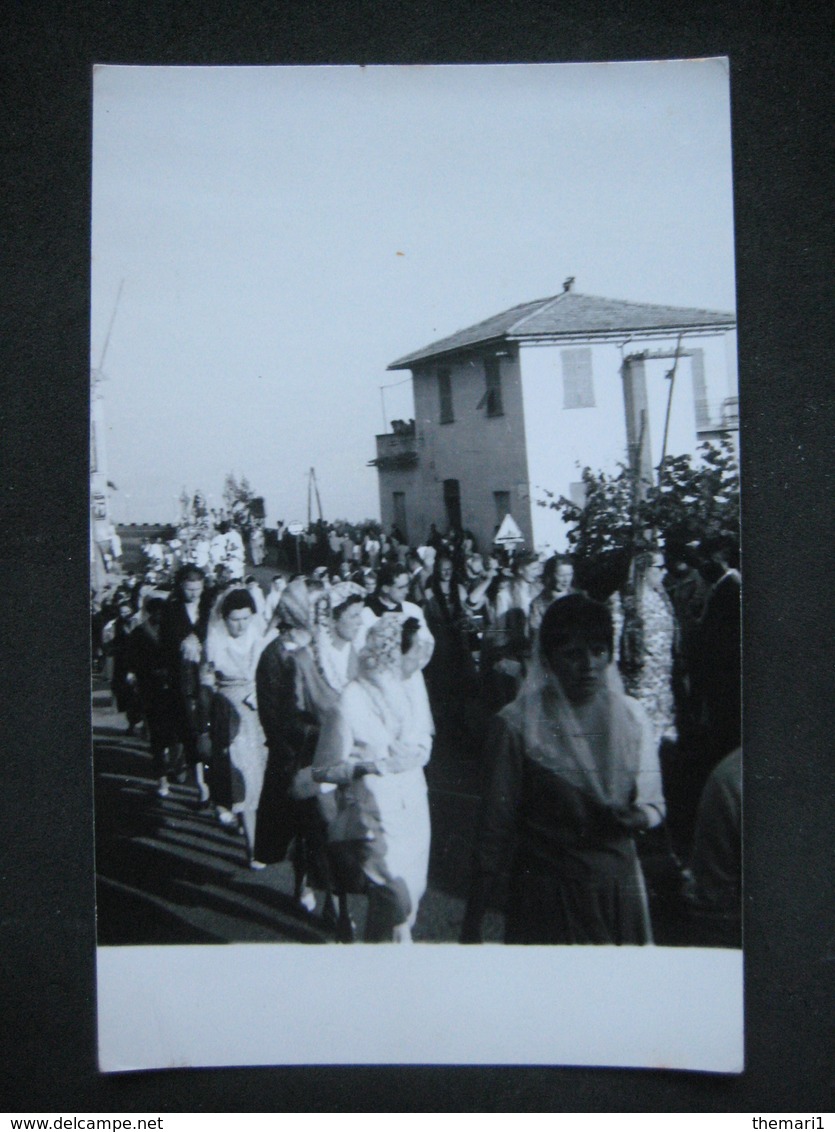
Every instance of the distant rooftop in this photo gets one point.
(570, 315)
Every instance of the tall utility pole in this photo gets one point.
(636, 406)
(312, 486)
(671, 377)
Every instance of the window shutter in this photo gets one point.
(578, 386)
(445, 396)
(493, 393)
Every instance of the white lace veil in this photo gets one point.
(601, 756)
(222, 650)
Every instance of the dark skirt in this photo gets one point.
(290, 827)
(564, 907)
(159, 709)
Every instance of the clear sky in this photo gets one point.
(285, 233)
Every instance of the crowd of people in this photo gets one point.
(304, 716)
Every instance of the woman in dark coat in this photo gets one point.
(574, 774)
(182, 631)
(450, 674)
(293, 698)
(149, 673)
(123, 690)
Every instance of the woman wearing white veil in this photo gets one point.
(374, 746)
(234, 643)
(335, 633)
(574, 775)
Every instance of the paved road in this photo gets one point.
(168, 872)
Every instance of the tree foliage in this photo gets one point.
(608, 521)
(239, 497)
(624, 516)
(236, 491)
(692, 502)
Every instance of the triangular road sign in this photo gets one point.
(508, 533)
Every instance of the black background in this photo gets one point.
(782, 89)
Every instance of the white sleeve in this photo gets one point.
(368, 619)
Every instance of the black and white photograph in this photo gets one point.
(415, 566)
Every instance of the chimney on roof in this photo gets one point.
(568, 284)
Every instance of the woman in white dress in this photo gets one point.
(234, 643)
(374, 746)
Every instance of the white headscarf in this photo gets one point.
(235, 657)
(601, 757)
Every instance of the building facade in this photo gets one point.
(514, 407)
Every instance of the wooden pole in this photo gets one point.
(672, 378)
(315, 483)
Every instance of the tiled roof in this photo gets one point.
(571, 315)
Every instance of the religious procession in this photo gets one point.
(435, 742)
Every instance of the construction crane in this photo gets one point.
(97, 372)
(101, 526)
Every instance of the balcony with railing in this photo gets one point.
(396, 450)
(717, 416)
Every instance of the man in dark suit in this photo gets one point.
(716, 677)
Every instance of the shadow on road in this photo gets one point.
(168, 872)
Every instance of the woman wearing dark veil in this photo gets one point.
(574, 776)
(450, 674)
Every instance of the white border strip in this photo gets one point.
(262, 1004)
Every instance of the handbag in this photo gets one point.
(356, 844)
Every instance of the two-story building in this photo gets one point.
(518, 404)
